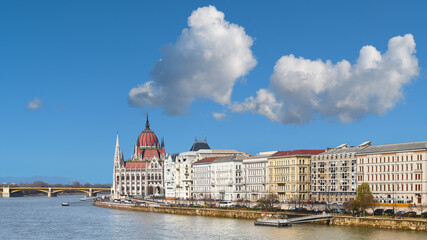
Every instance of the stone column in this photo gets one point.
(6, 192)
(49, 193)
(90, 194)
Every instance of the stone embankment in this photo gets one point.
(206, 212)
(400, 224)
(385, 223)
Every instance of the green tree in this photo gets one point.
(364, 198)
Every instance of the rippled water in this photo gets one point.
(45, 218)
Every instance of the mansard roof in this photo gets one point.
(199, 145)
(395, 147)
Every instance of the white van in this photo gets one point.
(225, 204)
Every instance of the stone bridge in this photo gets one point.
(51, 191)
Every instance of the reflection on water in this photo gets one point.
(45, 218)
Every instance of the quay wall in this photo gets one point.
(207, 212)
(384, 223)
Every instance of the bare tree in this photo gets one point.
(40, 184)
(76, 184)
(268, 201)
(421, 208)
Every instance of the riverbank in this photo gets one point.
(397, 224)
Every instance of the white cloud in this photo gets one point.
(206, 61)
(302, 88)
(35, 104)
(219, 116)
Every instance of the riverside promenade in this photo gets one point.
(384, 223)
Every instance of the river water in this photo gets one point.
(45, 218)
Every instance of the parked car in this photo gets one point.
(401, 213)
(388, 212)
(411, 213)
(378, 212)
(424, 214)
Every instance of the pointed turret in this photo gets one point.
(163, 145)
(147, 123)
(117, 157)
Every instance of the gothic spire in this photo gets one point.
(117, 152)
(147, 123)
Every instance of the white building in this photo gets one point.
(184, 167)
(396, 173)
(141, 175)
(202, 179)
(222, 177)
(169, 176)
(255, 175)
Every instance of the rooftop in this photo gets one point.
(199, 145)
(395, 147)
(297, 152)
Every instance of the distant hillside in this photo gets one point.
(50, 180)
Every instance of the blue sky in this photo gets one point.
(77, 61)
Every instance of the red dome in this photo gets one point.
(147, 139)
(147, 144)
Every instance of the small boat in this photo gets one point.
(65, 204)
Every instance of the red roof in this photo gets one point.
(150, 153)
(297, 152)
(135, 165)
(209, 159)
(147, 139)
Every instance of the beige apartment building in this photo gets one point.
(289, 174)
(396, 173)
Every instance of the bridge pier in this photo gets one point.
(6, 192)
(50, 194)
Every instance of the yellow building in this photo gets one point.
(289, 174)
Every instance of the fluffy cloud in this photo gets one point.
(300, 89)
(219, 116)
(35, 104)
(206, 61)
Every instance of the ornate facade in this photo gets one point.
(396, 173)
(219, 178)
(289, 174)
(142, 175)
(255, 175)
